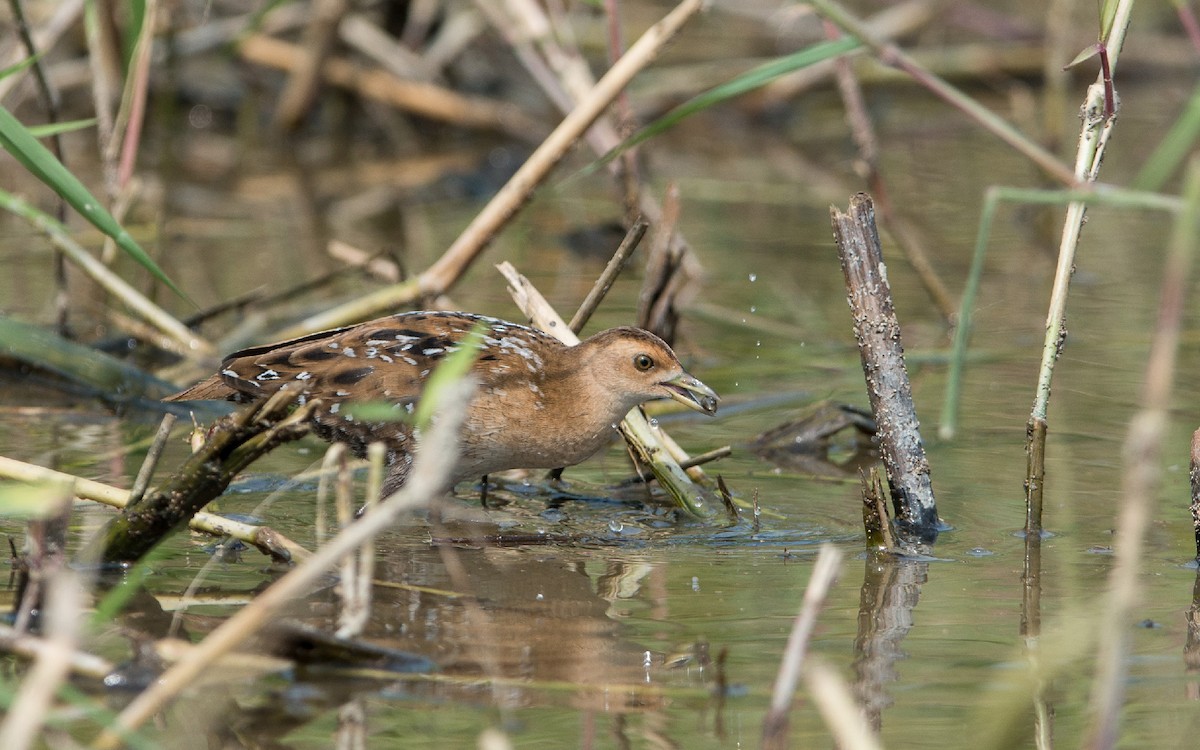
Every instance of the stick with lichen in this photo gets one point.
(235, 443)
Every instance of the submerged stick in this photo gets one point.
(878, 333)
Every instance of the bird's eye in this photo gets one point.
(643, 362)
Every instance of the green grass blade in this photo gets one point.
(58, 128)
(453, 369)
(18, 141)
(748, 81)
(1174, 148)
(18, 67)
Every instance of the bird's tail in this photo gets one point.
(210, 389)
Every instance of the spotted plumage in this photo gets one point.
(539, 403)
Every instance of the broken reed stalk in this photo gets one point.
(504, 205)
(142, 481)
(1093, 139)
(266, 540)
(878, 333)
(235, 443)
(1143, 471)
(841, 712)
(775, 724)
(646, 442)
(434, 461)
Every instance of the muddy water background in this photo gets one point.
(614, 638)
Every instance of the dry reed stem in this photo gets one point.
(434, 459)
(775, 723)
(116, 286)
(304, 78)
(889, 23)
(424, 99)
(504, 205)
(28, 646)
(261, 537)
(126, 136)
(841, 712)
(1142, 475)
(1093, 139)
(64, 602)
(892, 55)
(863, 133)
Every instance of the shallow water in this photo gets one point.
(613, 639)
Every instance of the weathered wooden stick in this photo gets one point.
(234, 444)
(878, 333)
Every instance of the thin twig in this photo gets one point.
(142, 481)
(598, 291)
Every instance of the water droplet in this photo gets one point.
(753, 277)
(654, 423)
(616, 526)
(647, 660)
(695, 583)
(758, 343)
(540, 596)
(753, 308)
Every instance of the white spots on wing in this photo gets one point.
(408, 406)
(424, 373)
(303, 375)
(341, 394)
(334, 408)
(403, 337)
(433, 352)
(534, 389)
(333, 345)
(303, 399)
(267, 375)
(406, 347)
(230, 373)
(410, 360)
(377, 342)
(386, 358)
(349, 352)
(371, 352)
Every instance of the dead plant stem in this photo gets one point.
(1143, 470)
(504, 205)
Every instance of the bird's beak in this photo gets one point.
(688, 390)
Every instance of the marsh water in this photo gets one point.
(633, 627)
